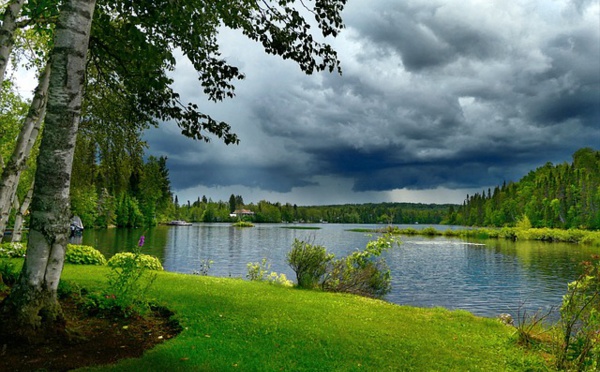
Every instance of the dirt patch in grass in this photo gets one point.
(95, 341)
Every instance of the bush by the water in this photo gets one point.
(83, 255)
(579, 343)
(363, 272)
(309, 262)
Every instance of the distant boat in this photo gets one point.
(76, 226)
(179, 223)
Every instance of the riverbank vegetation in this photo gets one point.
(235, 324)
(511, 233)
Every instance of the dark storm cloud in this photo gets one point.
(422, 37)
(461, 95)
(572, 84)
(280, 179)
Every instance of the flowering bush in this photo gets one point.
(12, 250)
(259, 271)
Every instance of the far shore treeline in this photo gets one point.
(556, 196)
(132, 192)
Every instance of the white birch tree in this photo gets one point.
(7, 30)
(32, 309)
(9, 180)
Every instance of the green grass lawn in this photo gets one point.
(232, 324)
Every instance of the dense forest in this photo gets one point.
(557, 196)
(203, 210)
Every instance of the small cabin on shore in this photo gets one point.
(241, 213)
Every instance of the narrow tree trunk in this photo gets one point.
(10, 194)
(7, 30)
(27, 137)
(32, 309)
(17, 234)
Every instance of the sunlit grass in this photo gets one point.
(232, 324)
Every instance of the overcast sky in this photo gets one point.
(437, 99)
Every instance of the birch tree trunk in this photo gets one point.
(27, 137)
(7, 30)
(17, 234)
(32, 311)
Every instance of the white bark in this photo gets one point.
(7, 30)
(49, 227)
(35, 293)
(17, 234)
(27, 137)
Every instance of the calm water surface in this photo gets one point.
(484, 277)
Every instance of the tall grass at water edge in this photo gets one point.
(512, 233)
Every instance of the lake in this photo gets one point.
(485, 277)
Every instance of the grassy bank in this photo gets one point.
(231, 324)
(512, 233)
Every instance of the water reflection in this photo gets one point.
(485, 277)
(112, 241)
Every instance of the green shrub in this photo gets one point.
(128, 283)
(409, 231)
(591, 238)
(12, 250)
(243, 224)
(508, 233)
(139, 260)
(452, 233)
(363, 273)
(83, 255)
(259, 271)
(67, 288)
(429, 231)
(579, 346)
(523, 223)
(309, 262)
(8, 273)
